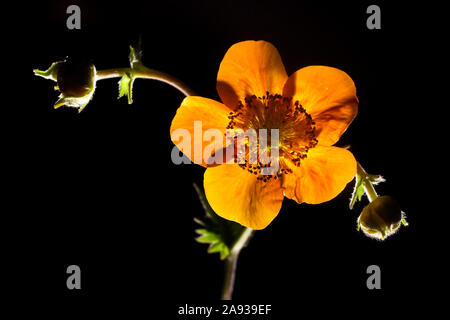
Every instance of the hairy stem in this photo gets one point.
(230, 275)
(231, 264)
(140, 71)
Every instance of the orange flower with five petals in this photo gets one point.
(312, 108)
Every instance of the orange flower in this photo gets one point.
(311, 109)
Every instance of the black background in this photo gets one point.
(98, 189)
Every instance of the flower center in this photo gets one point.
(270, 114)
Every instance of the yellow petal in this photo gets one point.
(235, 194)
(195, 116)
(328, 95)
(321, 176)
(250, 68)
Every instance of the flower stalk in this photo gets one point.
(383, 215)
(231, 264)
(369, 190)
(224, 237)
(138, 70)
(73, 78)
(141, 71)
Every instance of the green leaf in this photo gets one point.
(126, 87)
(134, 56)
(215, 242)
(224, 253)
(219, 233)
(358, 191)
(207, 236)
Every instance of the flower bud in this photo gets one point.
(381, 218)
(75, 80)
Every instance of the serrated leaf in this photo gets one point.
(134, 56)
(221, 248)
(216, 247)
(207, 236)
(358, 191)
(214, 241)
(361, 179)
(126, 87)
(224, 253)
(221, 234)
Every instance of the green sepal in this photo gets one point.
(219, 233)
(76, 102)
(126, 87)
(51, 73)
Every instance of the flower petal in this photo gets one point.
(328, 95)
(250, 68)
(321, 176)
(194, 117)
(235, 194)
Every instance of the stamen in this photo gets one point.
(272, 111)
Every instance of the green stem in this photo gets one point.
(140, 71)
(368, 186)
(230, 274)
(231, 264)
